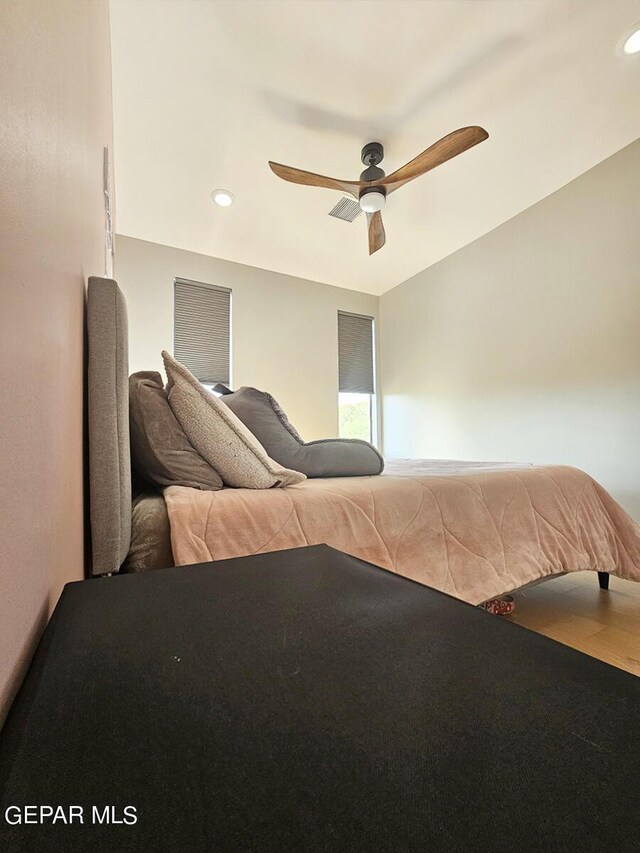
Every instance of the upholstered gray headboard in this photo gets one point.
(108, 399)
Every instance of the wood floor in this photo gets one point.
(575, 611)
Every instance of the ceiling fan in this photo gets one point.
(374, 186)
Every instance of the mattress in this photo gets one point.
(473, 530)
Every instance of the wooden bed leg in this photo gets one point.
(603, 580)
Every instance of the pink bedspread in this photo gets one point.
(474, 530)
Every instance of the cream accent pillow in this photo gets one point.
(219, 436)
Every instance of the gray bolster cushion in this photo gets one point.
(329, 457)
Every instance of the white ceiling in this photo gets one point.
(206, 92)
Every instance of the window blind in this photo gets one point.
(355, 353)
(202, 329)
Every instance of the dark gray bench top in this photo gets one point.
(305, 701)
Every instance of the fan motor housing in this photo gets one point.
(372, 154)
(373, 173)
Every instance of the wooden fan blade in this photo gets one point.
(441, 151)
(376, 231)
(310, 179)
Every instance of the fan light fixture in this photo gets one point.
(223, 198)
(372, 201)
(632, 43)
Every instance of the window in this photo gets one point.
(356, 385)
(202, 330)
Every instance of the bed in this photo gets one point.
(474, 530)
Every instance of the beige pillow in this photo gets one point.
(219, 436)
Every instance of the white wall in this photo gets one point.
(525, 345)
(284, 328)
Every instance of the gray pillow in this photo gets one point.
(160, 451)
(329, 457)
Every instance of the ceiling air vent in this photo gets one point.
(346, 209)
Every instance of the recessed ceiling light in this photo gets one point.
(632, 43)
(223, 198)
